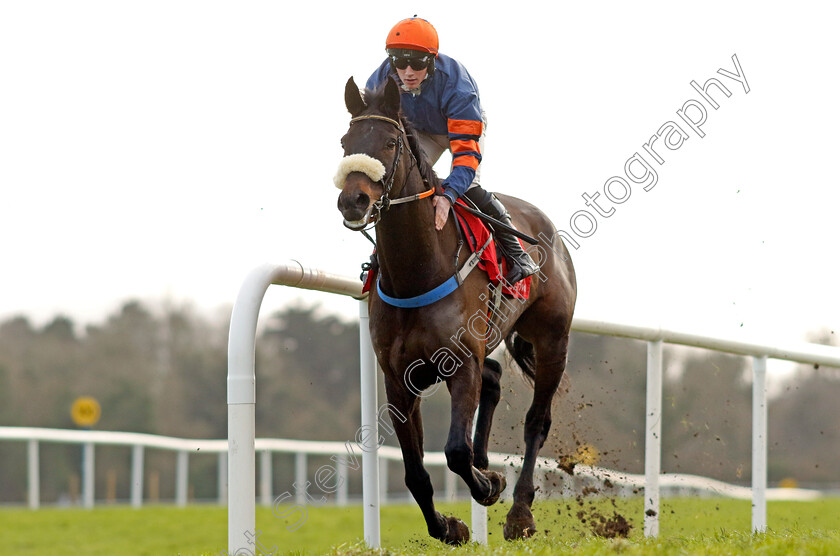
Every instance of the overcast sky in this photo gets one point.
(161, 149)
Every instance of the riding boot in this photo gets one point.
(521, 264)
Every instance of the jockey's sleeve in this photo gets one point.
(464, 126)
(466, 155)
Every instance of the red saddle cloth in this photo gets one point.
(477, 233)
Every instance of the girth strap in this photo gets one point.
(440, 291)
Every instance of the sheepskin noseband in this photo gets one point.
(373, 168)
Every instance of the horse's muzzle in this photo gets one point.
(356, 208)
(357, 225)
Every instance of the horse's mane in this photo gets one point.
(374, 100)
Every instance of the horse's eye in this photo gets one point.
(391, 143)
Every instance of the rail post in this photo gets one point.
(241, 384)
(370, 424)
(759, 445)
(653, 437)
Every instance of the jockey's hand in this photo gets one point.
(442, 205)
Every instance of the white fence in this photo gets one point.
(799, 352)
(242, 400)
(184, 448)
(303, 450)
(241, 446)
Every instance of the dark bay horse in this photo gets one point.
(386, 181)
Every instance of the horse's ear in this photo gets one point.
(391, 104)
(353, 98)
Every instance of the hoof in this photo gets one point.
(520, 523)
(457, 531)
(498, 482)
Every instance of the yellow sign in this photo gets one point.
(85, 411)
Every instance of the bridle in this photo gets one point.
(384, 202)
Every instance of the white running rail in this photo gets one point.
(242, 445)
(241, 396)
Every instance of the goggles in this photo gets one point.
(417, 64)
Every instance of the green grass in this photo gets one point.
(687, 526)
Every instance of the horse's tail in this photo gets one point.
(522, 352)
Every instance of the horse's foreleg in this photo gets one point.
(491, 375)
(408, 425)
(485, 486)
(520, 521)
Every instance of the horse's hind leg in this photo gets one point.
(491, 391)
(549, 371)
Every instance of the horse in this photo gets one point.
(386, 182)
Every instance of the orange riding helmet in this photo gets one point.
(413, 34)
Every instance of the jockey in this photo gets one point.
(440, 99)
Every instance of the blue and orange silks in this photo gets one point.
(447, 104)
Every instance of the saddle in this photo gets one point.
(476, 234)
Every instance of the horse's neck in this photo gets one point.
(413, 256)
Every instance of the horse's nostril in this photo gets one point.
(353, 205)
